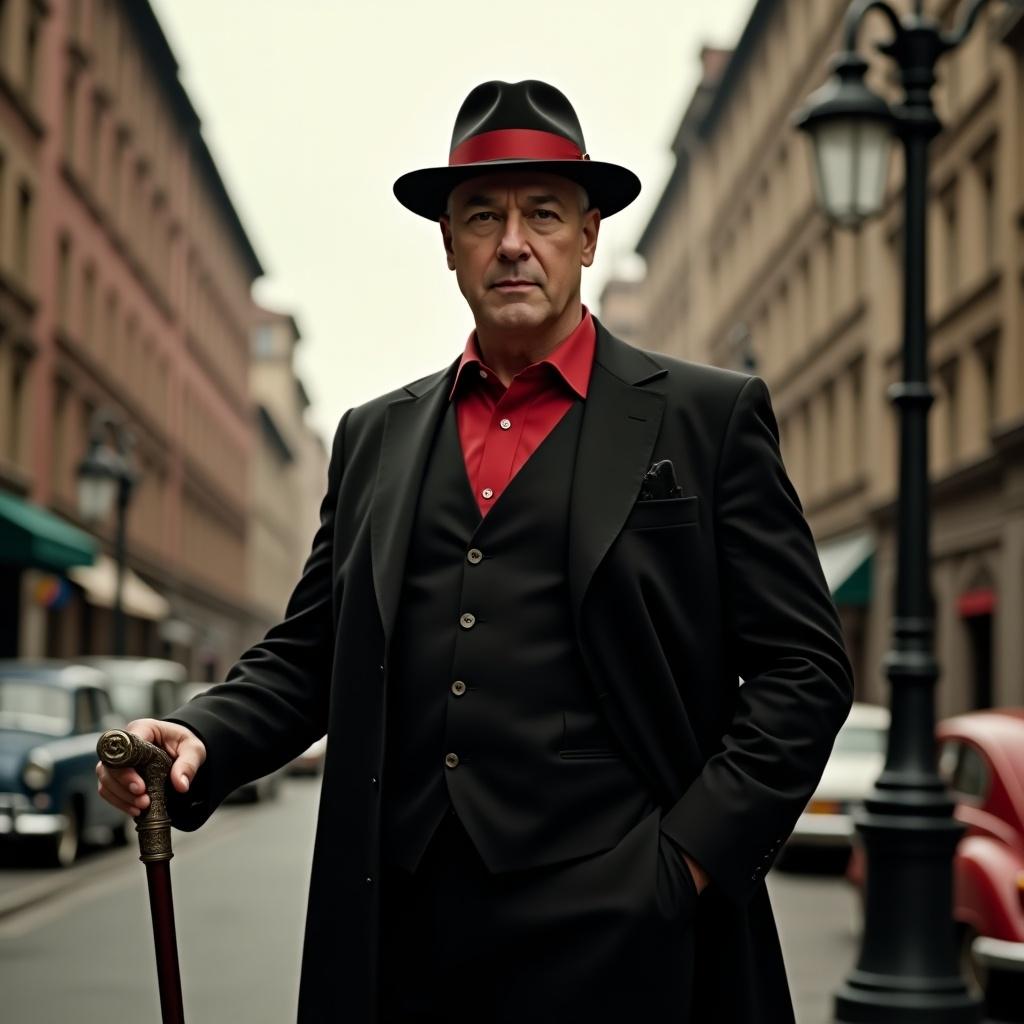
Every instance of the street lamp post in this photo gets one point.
(106, 474)
(908, 969)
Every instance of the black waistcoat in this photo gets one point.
(490, 710)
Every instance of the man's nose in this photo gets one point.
(513, 245)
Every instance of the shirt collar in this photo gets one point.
(572, 359)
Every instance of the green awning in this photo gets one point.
(31, 535)
(846, 562)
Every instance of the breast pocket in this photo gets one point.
(663, 512)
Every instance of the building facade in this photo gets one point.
(743, 271)
(289, 474)
(125, 278)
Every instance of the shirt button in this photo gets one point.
(458, 687)
(475, 556)
(451, 760)
(483, 374)
(505, 424)
(467, 621)
(487, 492)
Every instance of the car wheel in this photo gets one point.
(64, 846)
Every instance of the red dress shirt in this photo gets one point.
(499, 427)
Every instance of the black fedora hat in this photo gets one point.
(510, 125)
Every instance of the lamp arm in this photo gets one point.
(953, 39)
(858, 11)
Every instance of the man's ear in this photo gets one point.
(446, 237)
(590, 228)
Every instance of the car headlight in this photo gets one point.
(38, 770)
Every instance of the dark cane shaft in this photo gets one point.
(161, 905)
(119, 749)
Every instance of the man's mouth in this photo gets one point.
(514, 284)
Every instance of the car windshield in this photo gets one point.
(33, 707)
(131, 699)
(857, 739)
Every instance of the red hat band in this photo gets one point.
(514, 144)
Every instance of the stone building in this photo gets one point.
(289, 471)
(743, 271)
(125, 278)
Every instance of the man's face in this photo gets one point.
(518, 242)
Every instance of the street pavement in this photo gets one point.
(85, 953)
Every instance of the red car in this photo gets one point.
(981, 759)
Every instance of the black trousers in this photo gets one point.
(600, 939)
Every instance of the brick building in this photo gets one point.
(125, 276)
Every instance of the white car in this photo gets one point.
(856, 762)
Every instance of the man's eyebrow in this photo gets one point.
(480, 200)
(540, 200)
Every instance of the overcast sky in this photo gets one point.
(312, 108)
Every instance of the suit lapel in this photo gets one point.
(621, 421)
(409, 429)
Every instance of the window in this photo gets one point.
(19, 382)
(70, 104)
(95, 136)
(988, 358)
(60, 413)
(949, 373)
(32, 30)
(88, 325)
(985, 170)
(965, 771)
(63, 281)
(951, 229)
(23, 230)
(859, 423)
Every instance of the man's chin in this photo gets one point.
(516, 316)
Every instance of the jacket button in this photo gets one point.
(369, 879)
(467, 620)
(474, 556)
(451, 760)
(373, 780)
(458, 687)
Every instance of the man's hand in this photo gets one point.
(700, 876)
(124, 787)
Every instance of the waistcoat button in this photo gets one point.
(487, 492)
(505, 424)
(475, 556)
(451, 760)
(467, 621)
(458, 687)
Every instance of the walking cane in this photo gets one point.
(119, 749)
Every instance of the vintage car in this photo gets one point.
(857, 759)
(142, 687)
(981, 757)
(51, 715)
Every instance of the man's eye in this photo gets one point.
(545, 214)
(482, 215)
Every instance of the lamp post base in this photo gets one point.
(908, 971)
(865, 997)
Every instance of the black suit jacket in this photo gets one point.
(673, 603)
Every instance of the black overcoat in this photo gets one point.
(674, 603)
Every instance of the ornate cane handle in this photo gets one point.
(119, 749)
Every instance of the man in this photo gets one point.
(539, 579)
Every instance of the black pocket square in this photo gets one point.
(660, 482)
